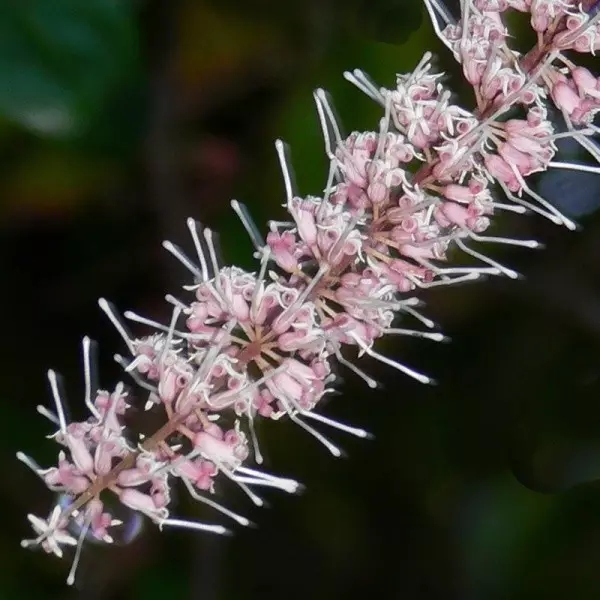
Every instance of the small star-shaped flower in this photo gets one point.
(51, 533)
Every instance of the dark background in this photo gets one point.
(118, 120)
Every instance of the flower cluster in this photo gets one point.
(338, 272)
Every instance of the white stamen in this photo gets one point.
(195, 525)
(569, 133)
(87, 376)
(285, 171)
(132, 316)
(48, 414)
(574, 167)
(170, 332)
(305, 293)
(465, 6)
(333, 170)
(436, 337)
(500, 240)
(331, 120)
(329, 144)
(286, 484)
(529, 205)
(520, 210)
(508, 272)
(212, 252)
(244, 215)
(52, 378)
(265, 483)
(255, 499)
(84, 530)
(210, 356)
(564, 220)
(127, 367)
(364, 84)
(320, 437)
(392, 363)
(259, 287)
(32, 464)
(434, 10)
(277, 224)
(356, 431)
(471, 275)
(175, 302)
(369, 380)
(111, 314)
(258, 457)
(194, 494)
(417, 315)
(192, 226)
(182, 258)
(345, 234)
(589, 145)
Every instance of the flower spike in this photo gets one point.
(340, 271)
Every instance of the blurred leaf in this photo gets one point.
(60, 59)
(574, 193)
(117, 128)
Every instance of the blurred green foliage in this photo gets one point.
(61, 60)
(120, 119)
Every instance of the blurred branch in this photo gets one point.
(161, 151)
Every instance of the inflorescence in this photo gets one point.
(337, 273)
